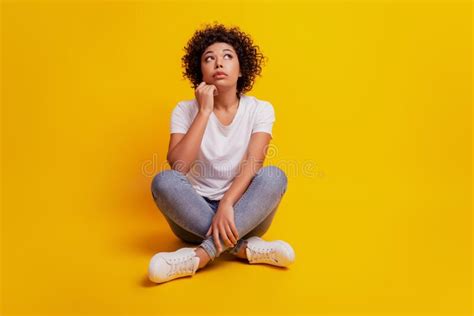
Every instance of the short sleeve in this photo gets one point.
(180, 119)
(265, 118)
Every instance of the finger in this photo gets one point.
(210, 89)
(201, 84)
(199, 87)
(216, 240)
(215, 92)
(234, 230)
(209, 231)
(231, 235)
(224, 237)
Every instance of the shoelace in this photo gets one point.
(265, 254)
(180, 267)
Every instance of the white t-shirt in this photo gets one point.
(223, 146)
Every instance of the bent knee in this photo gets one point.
(274, 176)
(164, 180)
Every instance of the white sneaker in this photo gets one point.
(166, 266)
(277, 253)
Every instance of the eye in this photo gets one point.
(207, 58)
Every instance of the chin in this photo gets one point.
(223, 84)
(219, 84)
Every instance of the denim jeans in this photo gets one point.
(190, 215)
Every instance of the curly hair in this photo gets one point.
(251, 59)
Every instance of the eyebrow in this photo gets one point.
(210, 51)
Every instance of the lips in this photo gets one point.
(219, 74)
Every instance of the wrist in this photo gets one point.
(205, 112)
(226, 201)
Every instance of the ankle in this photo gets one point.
(203, 257)
(241, 253)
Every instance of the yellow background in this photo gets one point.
(373, 96)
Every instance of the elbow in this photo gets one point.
(180, 169)
(179, 165)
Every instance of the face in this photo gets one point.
(223, 58)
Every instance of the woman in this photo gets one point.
(217, 194)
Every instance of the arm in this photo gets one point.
(249, 166)
(184, 148)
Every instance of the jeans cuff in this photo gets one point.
(208, 246)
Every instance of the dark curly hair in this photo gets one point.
(251, 59)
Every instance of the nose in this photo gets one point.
(218, 63)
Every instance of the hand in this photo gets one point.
(205, 96)
(223, 225)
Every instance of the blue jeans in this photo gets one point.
(190, 215)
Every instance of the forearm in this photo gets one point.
(248, 169)
(185, 152)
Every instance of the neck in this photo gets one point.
(226, 100)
